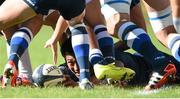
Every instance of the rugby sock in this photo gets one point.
(95, 56)
(137, 39)
(174, 45)
(160, 19)
(80, 44)
(105, 42)
(176, 22)
(24, 65)
(19, 43)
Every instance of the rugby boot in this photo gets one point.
(113, 72)
(85, 84)
(157, 80)
(23, 81)
(10, 73)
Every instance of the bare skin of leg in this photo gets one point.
(92, 39)
(137, 16)
(175, 5)
(93, 20)
(51, 19)
(34, 24)
(116, 21)
(11, 14)
(31, 23)
(164, 34)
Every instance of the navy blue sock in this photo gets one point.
(137, 39)
(96, 57)
(105, 42)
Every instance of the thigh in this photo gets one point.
(34, 24)
(13, 12)
(153, 5)
(51, 19)
(94, 18)
(136, 16)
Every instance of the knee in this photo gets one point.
(115, 22)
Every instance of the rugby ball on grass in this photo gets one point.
(47, 75)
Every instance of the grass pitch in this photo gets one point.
(97, 92)
(40, 55)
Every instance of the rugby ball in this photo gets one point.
(47, 75)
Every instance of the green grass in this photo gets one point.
(97, 92)
(40, 55)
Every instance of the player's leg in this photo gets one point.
(80, 40)
(51, 18)
(103, 62)
(19, 42)
(19, 12)
(136, 14)
(175, 5)
(25, 68)
(97, 23)
(95, 55)
(161, 20)
(130, 33)
(13, 12)
(134, 36)
(80, 45)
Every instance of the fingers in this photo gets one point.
(54, 51)
(53, 45)
(47, 44)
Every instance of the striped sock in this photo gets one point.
(80, 45)
(19, 43)
(174, 46)
(105, 42)
(96, 57)
(137, 39)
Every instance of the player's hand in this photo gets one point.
(68, 82)
(51, 43)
